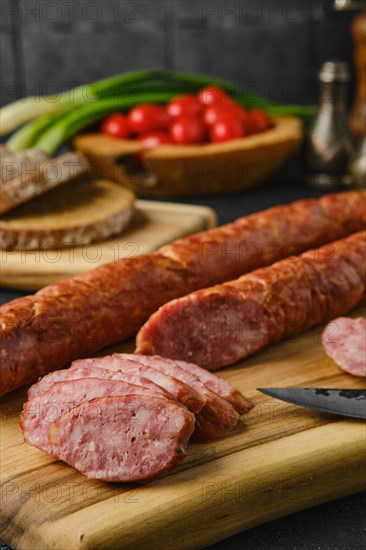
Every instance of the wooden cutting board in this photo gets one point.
(155, 224)
(278, 460)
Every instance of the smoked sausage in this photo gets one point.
(76, 318)
(217, 326)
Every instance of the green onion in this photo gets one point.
(303, 111)
(81, 117)
(19, 112)
(125, 90)
(28, 134)
(242, 95)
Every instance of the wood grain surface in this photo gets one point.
(155, 224)
(278, 460)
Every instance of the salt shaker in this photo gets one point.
(330, 147)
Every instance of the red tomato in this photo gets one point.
(184, 106)
(212, 95)
(226, 128)
(148, 118)
(214, 113)
(258, 121)
(188, 130)
(116, 126)
(154, 139)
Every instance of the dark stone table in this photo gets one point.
(338, 525)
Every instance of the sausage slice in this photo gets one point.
(214, 383)
(179, 390)
(123, 438)
(215, 418)
(90, 371)
(40, 412)
(344, 340)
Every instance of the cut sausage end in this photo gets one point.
(218, 326)
(215, 329)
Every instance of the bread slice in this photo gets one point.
(22, 164)
(72, 215)
(44, 177)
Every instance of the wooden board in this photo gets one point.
(155, 224)
(278, 460)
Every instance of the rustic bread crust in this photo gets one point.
(73, 215)
(15, 165)
(44, 177)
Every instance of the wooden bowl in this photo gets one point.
(177, 170)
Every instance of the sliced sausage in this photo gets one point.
(344, 340)
(220, 325)
(123, 438)
(219, 386)
(212, 382)
(40, 412)
(47, 381)
(216, 417)
(179, 390)
(47, 331)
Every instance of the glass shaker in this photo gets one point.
(330, 146)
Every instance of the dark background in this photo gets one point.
(275, 47)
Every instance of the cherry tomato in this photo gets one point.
(184, 106)
(212, 95)
(226, 128)
(188, 130)
(154, 139)
(116, 126)
(148, 118)
(258, 121)
(214, 113)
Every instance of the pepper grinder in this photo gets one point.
(330, 147)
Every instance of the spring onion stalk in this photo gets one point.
(133, 83)
(19, 112)
(23, 110)
(81, 117)
(150, 86)
(29, 133)
(302, 111)
(242, 95)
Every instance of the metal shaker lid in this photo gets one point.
(341, 5)
(334, 71)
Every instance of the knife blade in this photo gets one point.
(350, 403)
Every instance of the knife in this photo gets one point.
(343, 402)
